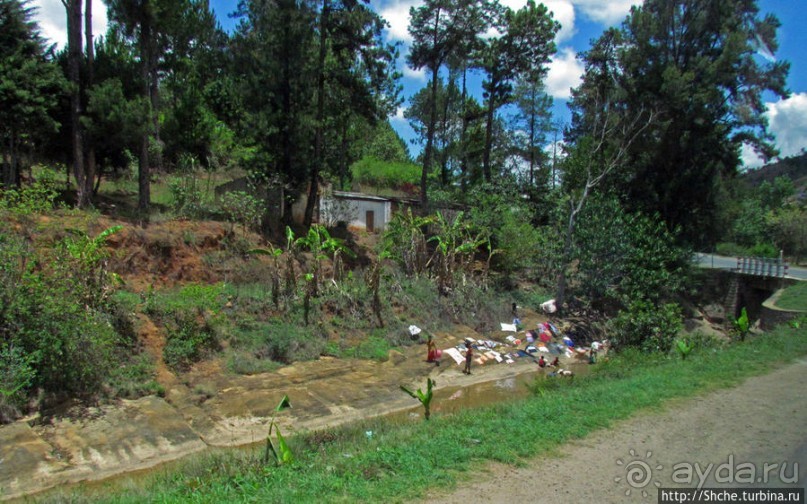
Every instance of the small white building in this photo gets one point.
(358, 211)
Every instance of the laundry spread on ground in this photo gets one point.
(545, 338)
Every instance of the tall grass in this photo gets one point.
(400, 461)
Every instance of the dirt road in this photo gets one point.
(762, 421)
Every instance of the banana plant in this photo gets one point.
(405, 241)
(291, 277)
(684, 348)
(90, 257)
(742, 324)
(281, 453)
(336, 248)
(424, 398)
(313, 241)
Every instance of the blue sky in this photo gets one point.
(581, 20)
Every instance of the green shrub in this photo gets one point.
(247, 363)
(134, 378)
(16, 375)
(374, 348)
(242, 208)
(276, 340)
(187, 199)
(764, 250)
(198, 297)
(37, 198)
(645, 326)
(372, 171)
(731, 249)
(287, 343)
(58, 311)
(190, 336)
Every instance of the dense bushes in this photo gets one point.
(190, 335)
(646, 326)
(57, 320)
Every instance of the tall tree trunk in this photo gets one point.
(313, 186)
(14, 171)
(428, 151)
(343, 158)
(488, 140)
(444, 134)
(9, 166)
(89, 177)
(74, 52)
(144, 183)
(463, 134)
(155, 112)
(531, 145)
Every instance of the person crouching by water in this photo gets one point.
(542, 362)
(469, 355)
(555, 363)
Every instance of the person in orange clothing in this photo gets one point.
(431, 348)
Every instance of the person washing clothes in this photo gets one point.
(469, 355)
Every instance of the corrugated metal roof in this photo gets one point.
(360, 196)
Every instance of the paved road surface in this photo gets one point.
(723, 262)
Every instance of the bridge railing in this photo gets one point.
(762, 266)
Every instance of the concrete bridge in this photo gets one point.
(714, 261)
(754, 284)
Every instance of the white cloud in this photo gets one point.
(396, 13)
(52, 20)
(565, 72)
(787, 120)
(607, 12)
(563, 12)
(399, 114)
(750, 158)
(410, 73)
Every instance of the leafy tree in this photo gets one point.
(789, 231)
(287, 52)
(533, 123)
(351, 32)
(773, 195)
(622, 257)
(272, 51)
(191, 68)
(151, 23)
(30, 85)
(524, 48)
(384, 143)
(591, 161)
(74, 64)
(696, 63)
(404, 241)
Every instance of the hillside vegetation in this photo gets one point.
(122, 269)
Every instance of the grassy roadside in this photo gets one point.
(794, 297)
(399, 462)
